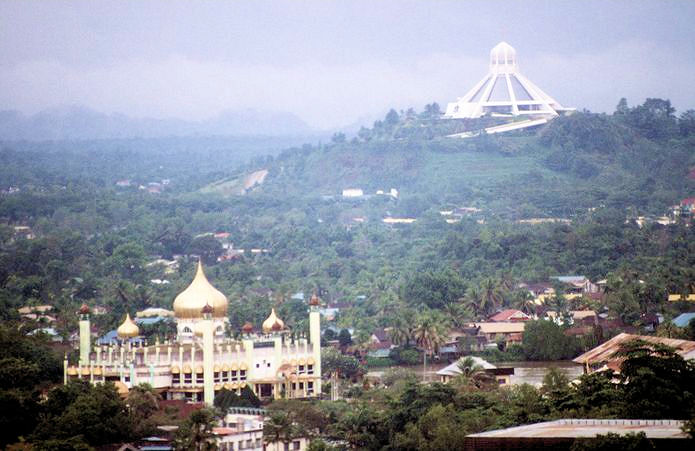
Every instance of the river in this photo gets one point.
(524, 372)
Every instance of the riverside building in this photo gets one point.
(202, 359)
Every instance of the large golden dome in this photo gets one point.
(128, 329)
(273, 323)
(190, 302)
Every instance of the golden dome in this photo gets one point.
(128, 329)
(190, 302)
(273, 323)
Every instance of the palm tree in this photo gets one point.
(278, 428)
(401, 333)
(196, 432)
(472, 375)
(473, 300)
(430, 334)
(491, 296)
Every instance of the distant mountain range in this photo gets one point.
(78, 122)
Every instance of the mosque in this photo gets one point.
(202, 359)
(505, 93)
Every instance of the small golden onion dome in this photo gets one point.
(121, 388)
(128, 329)
(190, 302)
(273, 323)
(84, 309)
(314, 301)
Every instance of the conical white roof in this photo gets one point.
(504, 91)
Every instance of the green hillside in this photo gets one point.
(574, 163)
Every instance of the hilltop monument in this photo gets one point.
(504, 92)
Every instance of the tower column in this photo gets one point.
(208, 356)
(85, 335)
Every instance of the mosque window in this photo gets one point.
(216, 376)
(176, 378)
(188, 378)
(310, 369)
(242, 375)
(301, 368)
(199, 378)
(225, 376)
(234, 374)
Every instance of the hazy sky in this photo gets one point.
(333, 63)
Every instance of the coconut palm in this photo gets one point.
(278, 428)
(430, 333)
(473, 300)
(473, 375)
(491, 296)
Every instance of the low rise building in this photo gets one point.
(561, 434)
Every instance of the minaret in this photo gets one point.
(85, 335)
(315, 338)
(208, 355)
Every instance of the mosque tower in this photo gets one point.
(505, 92)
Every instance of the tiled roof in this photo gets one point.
(505, 315)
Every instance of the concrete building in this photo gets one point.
(202, 360)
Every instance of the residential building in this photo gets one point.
(502, 375)
(603, 356)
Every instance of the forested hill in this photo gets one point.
(635, 158)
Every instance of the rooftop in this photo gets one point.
(576, 428)
(604, 352)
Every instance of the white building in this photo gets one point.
(505, 92)
(353, 192)
(203, 359)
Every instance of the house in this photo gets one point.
(242, 428)
(509, 315)
(585, 317)
(603, 356)
(464, 340)
(509, 332)
(501, 375)
(50, 332)
(681, 297)
(353, 192)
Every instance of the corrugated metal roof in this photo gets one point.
(604, 353)
(501, 328)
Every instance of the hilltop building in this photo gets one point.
(504, 92)
(202, 359)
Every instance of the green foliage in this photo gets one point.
(196, 432)
(628, 442)
(346, 366)
(656, 380)
(97, 413)
(545, 340)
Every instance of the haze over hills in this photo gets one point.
(77, 122)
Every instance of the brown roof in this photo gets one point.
(501, 328)
(604, 353)
(507, 315)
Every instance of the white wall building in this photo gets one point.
(505, 92)
(203, 359)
